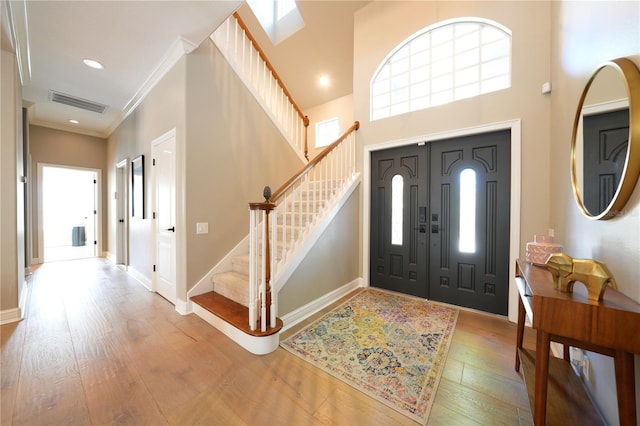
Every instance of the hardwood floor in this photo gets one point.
(97, 348)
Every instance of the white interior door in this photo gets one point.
(163, 154)
(122, 213)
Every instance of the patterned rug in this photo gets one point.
(389, 346)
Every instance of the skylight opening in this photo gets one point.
(280, 19)
(283, 7)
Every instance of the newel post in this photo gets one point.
(261, 286)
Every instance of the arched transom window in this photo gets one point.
(451, 60)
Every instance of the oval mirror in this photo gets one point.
(605, 145)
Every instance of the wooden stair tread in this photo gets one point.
(232, 312)
(567, 398)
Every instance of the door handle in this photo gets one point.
(172, 229)
(422, 229)
(121, 220)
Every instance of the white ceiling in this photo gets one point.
(138, 41)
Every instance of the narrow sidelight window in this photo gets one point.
(467, 242)
(397, 204)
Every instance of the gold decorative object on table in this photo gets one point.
(593, 274)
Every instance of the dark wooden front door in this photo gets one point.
(399, 234)
(470, 213)
(451, 241)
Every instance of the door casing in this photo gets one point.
(157, 145)
(514, 243)
(122, 213)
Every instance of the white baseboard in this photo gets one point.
(140, 277)
(304, 312)
(10, 315)
(17, 314)
(183, 308)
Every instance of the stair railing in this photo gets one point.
(278, 226)
(251, 64)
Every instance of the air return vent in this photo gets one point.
(65, 99)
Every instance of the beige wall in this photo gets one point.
(161, 111)
(12, 227)
(381, 26)
(233, 151)
(341, 108)
(331, 263)
(228, 150)
(58, 147)
(585, 34)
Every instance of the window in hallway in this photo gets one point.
(445, 62)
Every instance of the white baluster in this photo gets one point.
(252, 272)
(284, 205)
(263, 275)
(274, 242)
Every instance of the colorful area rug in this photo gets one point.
(389, 346)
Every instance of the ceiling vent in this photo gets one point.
(65, 99)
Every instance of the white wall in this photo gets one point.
(585, 34)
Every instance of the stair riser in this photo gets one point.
(232, 286)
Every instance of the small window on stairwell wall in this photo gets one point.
(327, 132)
(280, 19)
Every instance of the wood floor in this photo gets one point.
(97, 348)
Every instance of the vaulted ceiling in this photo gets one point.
(137, 41)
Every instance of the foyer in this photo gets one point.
(96, 347)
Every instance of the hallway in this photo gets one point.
(96, 347)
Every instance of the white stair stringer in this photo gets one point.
(232, 278)
(245, 60)
(294, 257)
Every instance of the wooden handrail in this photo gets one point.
(303, 117)
(355, 126)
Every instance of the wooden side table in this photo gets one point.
(610, 327)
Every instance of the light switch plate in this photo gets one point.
(202, 228)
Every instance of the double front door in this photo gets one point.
(440, 220)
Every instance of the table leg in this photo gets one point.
(626, 388)
(543, 343)
(519, 332)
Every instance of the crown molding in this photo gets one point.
(19, 32)
(176, 51)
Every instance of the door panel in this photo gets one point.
(164, 152)
(399, 237)
(606, 137)
(469, 262)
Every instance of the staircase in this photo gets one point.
(283, 228)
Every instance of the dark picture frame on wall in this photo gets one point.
(137, 187)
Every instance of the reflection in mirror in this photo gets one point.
(601, 147)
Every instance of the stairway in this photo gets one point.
(228, 302)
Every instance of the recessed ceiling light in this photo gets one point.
(323, 81)
(93, 64)
(72, 121)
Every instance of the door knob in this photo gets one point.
(172, 229)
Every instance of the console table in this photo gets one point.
(610, 327)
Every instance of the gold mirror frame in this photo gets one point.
(631, 76)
